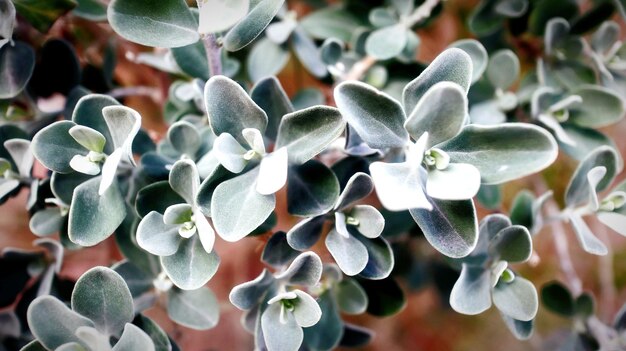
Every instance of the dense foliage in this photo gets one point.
(430, 140)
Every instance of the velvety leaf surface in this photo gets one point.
(376, 117)
(17, 64)
(88, 207)
(312, 189)
(471, 293)
(53, 323)
(54, 147)
(307, 132)
(197, 309)
(251, 26)
(103, 296)
(191, 266)
(452, 65)
(164, 24)
(503, 153)
(451, 226)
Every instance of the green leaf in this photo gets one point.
(103, 296)
(503, 69)
(46, 222)
(219, 15)
(375, 116)
(237, 208)
(351, 297)
(512, 244)
(245, 296)
(196, 309)
(157, 197)
(238, 114)
(158, 336)
(587, 240)
(92, 10)
(272, 98)
(325, 334)
(450, 227)
(585, 305)
(124, 124)
(471, 293)
(191, 266)
(251, 26)
(280, 329)
(380, 261)
(308, 53)
(307, 132)
(53, 323)
(441, 113)
(277, 251)
(88, 207)
(305, 270)
(192, 60)
(17, 63)
(386, 43)
(349, 253)
(54, 147)
(504, 152)
(385, 297)
(134, 338)
(331, 51)
(452, 65)
(165, 24)
(266, 59)
(477, 53)
(578, 190)
(43, 14)
(517, 299)
(601, 107)
(331, 22)
(586, 140)
(156, 237)
(89, 138)
(312, 189)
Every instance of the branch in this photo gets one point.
(213, 50)
(359, 69)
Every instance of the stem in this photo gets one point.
(136, 91)
(605, 274)
(213, 54)
(422, 12)
(560, 241)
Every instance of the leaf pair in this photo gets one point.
(188, 259)
(102, 307)
(486, 278)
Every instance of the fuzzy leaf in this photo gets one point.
(312, 189)
(601, 107)
(307, 132)
(308, 53)
(245, 296)
(349, 253)
(237, 208)
(103, 296)
(306, 269)
(219, 15)
(399, 186)
(53, 323)
(351, 297)
(450, 227)
(587, 240)
(239, 113)
(251, 26)
(452, 65)
(459, 181)
(477, 53)
(134, 338)
(273, 172)
(280, 331)
(504, 152)
(578, 190)
(441, 113)
(191, 266)
(375, 116)
(54, 147)
(166, 24)
(517, 299)
(156, 237)
(471, 293)
(305, 233)
(272, 98)
(386, 43)
(512, 244)
(88, 207)
(503, 69)
(196, 309)
(17, 64)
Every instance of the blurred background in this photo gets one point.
(426, 322)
